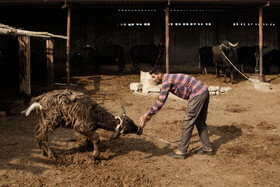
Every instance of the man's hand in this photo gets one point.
(144, 119)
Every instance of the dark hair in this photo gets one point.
(156, 70)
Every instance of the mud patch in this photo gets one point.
(235, 109)
(230, 130)
(245, 126)
(238, 149)
(274, 139)
(265, 126)
(245, 153)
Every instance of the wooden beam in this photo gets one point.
(6, 29)
(167, 36)
(24, 63)
(50, 62)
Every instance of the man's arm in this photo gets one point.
(157, 106)
(161, 99)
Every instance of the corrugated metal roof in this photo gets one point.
(137, 3)
(141, 1)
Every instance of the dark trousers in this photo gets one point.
(196, 114)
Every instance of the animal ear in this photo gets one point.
(123, 111)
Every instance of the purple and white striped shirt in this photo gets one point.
(181, 85)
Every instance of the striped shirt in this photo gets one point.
(181, 85)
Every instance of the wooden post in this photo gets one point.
(261, 42)
(167, 36)
(68, 45)
(24, 63)
(50, 62)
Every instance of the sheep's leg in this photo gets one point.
(83, 140)
(91, 135)
(95, 140)
(41, 134)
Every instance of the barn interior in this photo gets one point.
(99, 23)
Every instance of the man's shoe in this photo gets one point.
(203, 152)
(175, 155)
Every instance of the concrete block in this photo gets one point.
(147, 81)
(135, 86)
(214, 88)
(155, 89)
(224, 89)
(212, 93)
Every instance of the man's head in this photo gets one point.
(157, 74)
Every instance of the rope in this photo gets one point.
(161, 140)
(237, 68)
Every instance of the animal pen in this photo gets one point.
(242, 122)
(25, 57)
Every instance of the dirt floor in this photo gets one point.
(243, 124)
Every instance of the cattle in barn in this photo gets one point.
(271, 61)
(148, 54)
(247, 56)
(98, 56)
(109, 55)
(205, 57)
(68, 108)
(222, 54)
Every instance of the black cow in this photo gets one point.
(271, 60)
(205, 57)
(247, 56)
(220, 54)
(149, 54)
(107, 55)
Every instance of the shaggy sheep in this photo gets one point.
(67, 108)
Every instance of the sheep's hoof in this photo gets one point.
(95, 155)
(93, 158)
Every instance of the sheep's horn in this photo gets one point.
(117, 134)
(123, 113)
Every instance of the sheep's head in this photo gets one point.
(125, 126)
